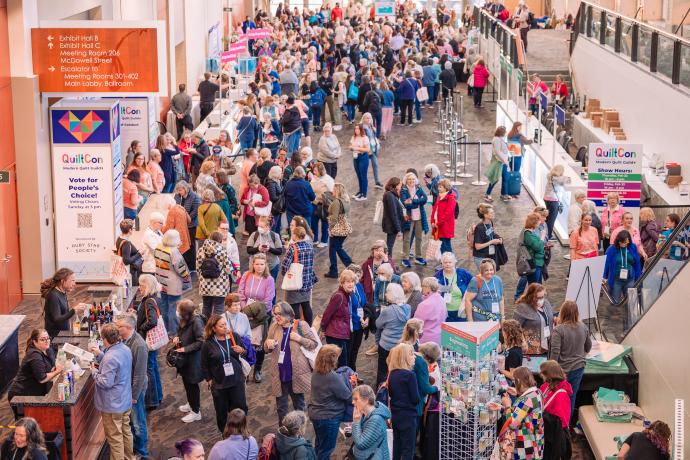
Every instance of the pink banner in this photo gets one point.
(228, 56)
(255, 34)
(624, 194)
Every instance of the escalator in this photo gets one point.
(616, 320)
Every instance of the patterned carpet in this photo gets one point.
(406, 147)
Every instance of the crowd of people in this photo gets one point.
(320, 72)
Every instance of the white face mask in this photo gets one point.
(262, 230)
(540, 303)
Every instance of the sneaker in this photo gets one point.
(337, 127)
(416, 121)
(358, 194)
(361, 198)
(406, 263)
(379, 186)
(420, 261)
(505, 197)
(374, 350)
(410, 125)
(321, 244)
(257, 376)
(400, 124)
(488, 199)
(192, 417)
(185, 408)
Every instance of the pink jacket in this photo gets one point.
(258, 289)
(558, 405)
(431, 310)
(612, 219)
(157, 176)
(481, 76)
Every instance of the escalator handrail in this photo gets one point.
(650, 265)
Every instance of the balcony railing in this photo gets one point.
(489, 26)
(661, 53)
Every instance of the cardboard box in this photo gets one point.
(596, 119)
(611, 115)
(608, 125)
(621, 137)
(673, 181)
(674, 169)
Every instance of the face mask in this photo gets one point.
(540, 303)
(263, 231)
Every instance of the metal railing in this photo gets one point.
(659, 271)
(489, 26)
(662, 53)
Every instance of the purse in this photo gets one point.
(175, 359)
(157, 337)
(342, 226)
(292, 281)
(422, 94)
(433, 249)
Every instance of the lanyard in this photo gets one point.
(287, 337)
(624, 258)
(495, 291)
(251, 286)
(227, 346)
(453, 281)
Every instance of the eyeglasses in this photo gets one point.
(44, 339)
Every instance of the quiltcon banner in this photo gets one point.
(615, 168)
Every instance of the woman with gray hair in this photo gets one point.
(190, 201)
(369, 430)
(431, 310)
(453, 282)
(389, 327)
(173, 275)
(147, 319)
(412, 287)
(290, 440)
(274, 185)
(292, 375)
(329, 150)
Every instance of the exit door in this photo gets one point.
(10, 273)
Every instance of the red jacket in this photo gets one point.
(247, 195)
(443, 216)
(481, 76)
(336, 14)
(560, 404)
(336, 318)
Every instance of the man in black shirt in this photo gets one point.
(207, 95)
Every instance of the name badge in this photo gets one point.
(547, 332)
(495, 308)
(281, 357)
(250, 301)
(492, 250)
(360, 313)
(228, 369)
(623, 274)
(446, 297)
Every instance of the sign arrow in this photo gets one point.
(50, 38)
(51, 68)
(50, 45)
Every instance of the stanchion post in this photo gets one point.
(464, 172)
(479, 180)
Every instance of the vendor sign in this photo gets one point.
(615, 168)
(256, 34)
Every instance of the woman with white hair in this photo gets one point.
(173, 275)
(431, 310)
(389, 327)
(412, 287)
(152, 238)
(147, 319)
(206, 179)
(290, 440)
(453, 282)
(414, 200)
(432, 176)
(329, 150)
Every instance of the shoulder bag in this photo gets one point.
(292, 281)
(341, 227)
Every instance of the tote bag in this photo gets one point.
(292, 281)
(310, 354)
(378, 212)
(422, 94)
(433, 249)
(157, 337)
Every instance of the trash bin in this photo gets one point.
(54, 443)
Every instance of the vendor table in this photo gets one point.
(584, 133)
(9, 348)
(76, 418)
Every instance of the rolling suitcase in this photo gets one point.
(514, 182)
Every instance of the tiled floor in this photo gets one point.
(406, 147)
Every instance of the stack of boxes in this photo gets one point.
(606, 119)
(674, 175)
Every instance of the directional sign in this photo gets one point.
(96, 60)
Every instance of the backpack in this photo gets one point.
(523, 261)
(375, 102)
(322, 208)
(268, 449)
(353, 92)
(210, 268)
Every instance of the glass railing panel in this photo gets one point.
(685, 65)
(626, 38)
(644, 49)
(665, 56)
(617, 317)
(610, 32)
(596, 24)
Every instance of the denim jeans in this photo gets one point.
(212, 304)
(432, 95)
(521, 286)
(316, 115)
(168, 308)
(335, 250)
(315, 228)
(276, 224)
(454, 316)
(406, 111)
(331, 169)
(619, 288)
(517, 163)
(292, 142)
(552, 207)
(326, 432)
(417, 109)
(375, 167)
(377, 116)
(361, 167)
(154, 391)
(446, 246)
(574, 379)
(130, 213)
(139, 429)
(477, 96)
(350, 110)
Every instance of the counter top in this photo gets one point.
(51, 399)
(8, 325)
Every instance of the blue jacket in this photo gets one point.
(421, 370)
(610, 272)
(418, 201)
(408, 89)
(462, 277)
(390, 324)
(369, 434)
(429, 75)
(114, 380)
(317, 98)
(404, 396)
(298, 198)
(381, 286)
(247, 130)
(388, 98)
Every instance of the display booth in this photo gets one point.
(87, 185)
(470, 401)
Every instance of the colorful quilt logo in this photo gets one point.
(81, 128)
